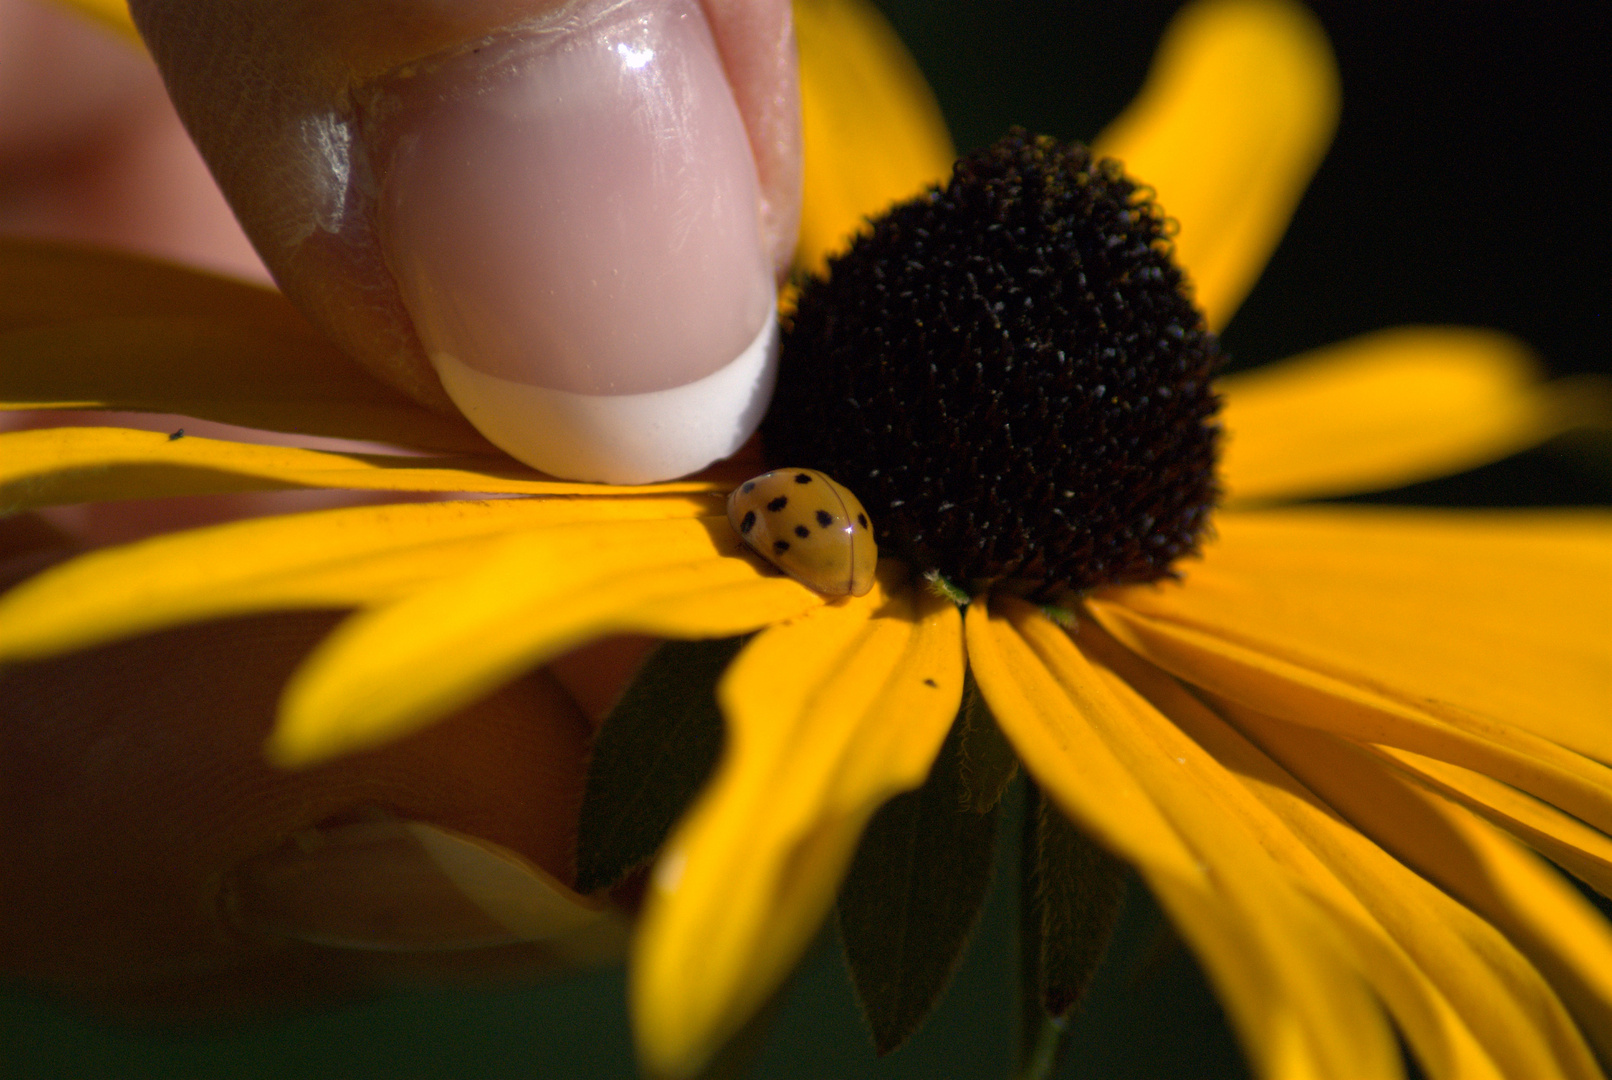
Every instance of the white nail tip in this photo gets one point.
(622, 438)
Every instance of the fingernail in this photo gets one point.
(572, 217)
(403, 886)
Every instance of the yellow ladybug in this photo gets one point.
(810, 527)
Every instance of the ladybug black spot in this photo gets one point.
(824, 518)
(780, 546)
(802, 531)
(748, 523)
(748, 487)
(778, 504)
(803, 478)
(862, 520)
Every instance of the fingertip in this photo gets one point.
(593, 197)
(621, 438)
(406, 886)
(574, 220)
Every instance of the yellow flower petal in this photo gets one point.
(1124, 772)
(828, 717)
(1426, 956)
(82, 328)
(1476, 863)
(1525, 897)
(1372, 596)
(1235, 116)
(112, 14)
(1584, 852)
(52, 466)
(351, 557)
(1391, 408)
(1352, 707)
(391, 670)
(871, 132)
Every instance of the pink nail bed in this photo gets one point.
(571, 215)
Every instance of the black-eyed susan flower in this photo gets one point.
(1334, 741)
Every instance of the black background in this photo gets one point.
(1468, 182)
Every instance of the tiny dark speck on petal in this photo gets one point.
(180, 434)
(931, 682)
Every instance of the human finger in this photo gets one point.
(567, 218)
(155, 866)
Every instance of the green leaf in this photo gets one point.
(988, 762)
(913, 897)
(651, 756)
(1071, 894)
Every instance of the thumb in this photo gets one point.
(565, 217)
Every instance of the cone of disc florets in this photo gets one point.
(1010, 374)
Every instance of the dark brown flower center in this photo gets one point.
(1011, 377)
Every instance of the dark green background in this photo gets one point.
(1469, 183)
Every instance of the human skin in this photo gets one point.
(566, 202)
(136, 797)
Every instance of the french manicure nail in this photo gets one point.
(402, 886)
(571, 213)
